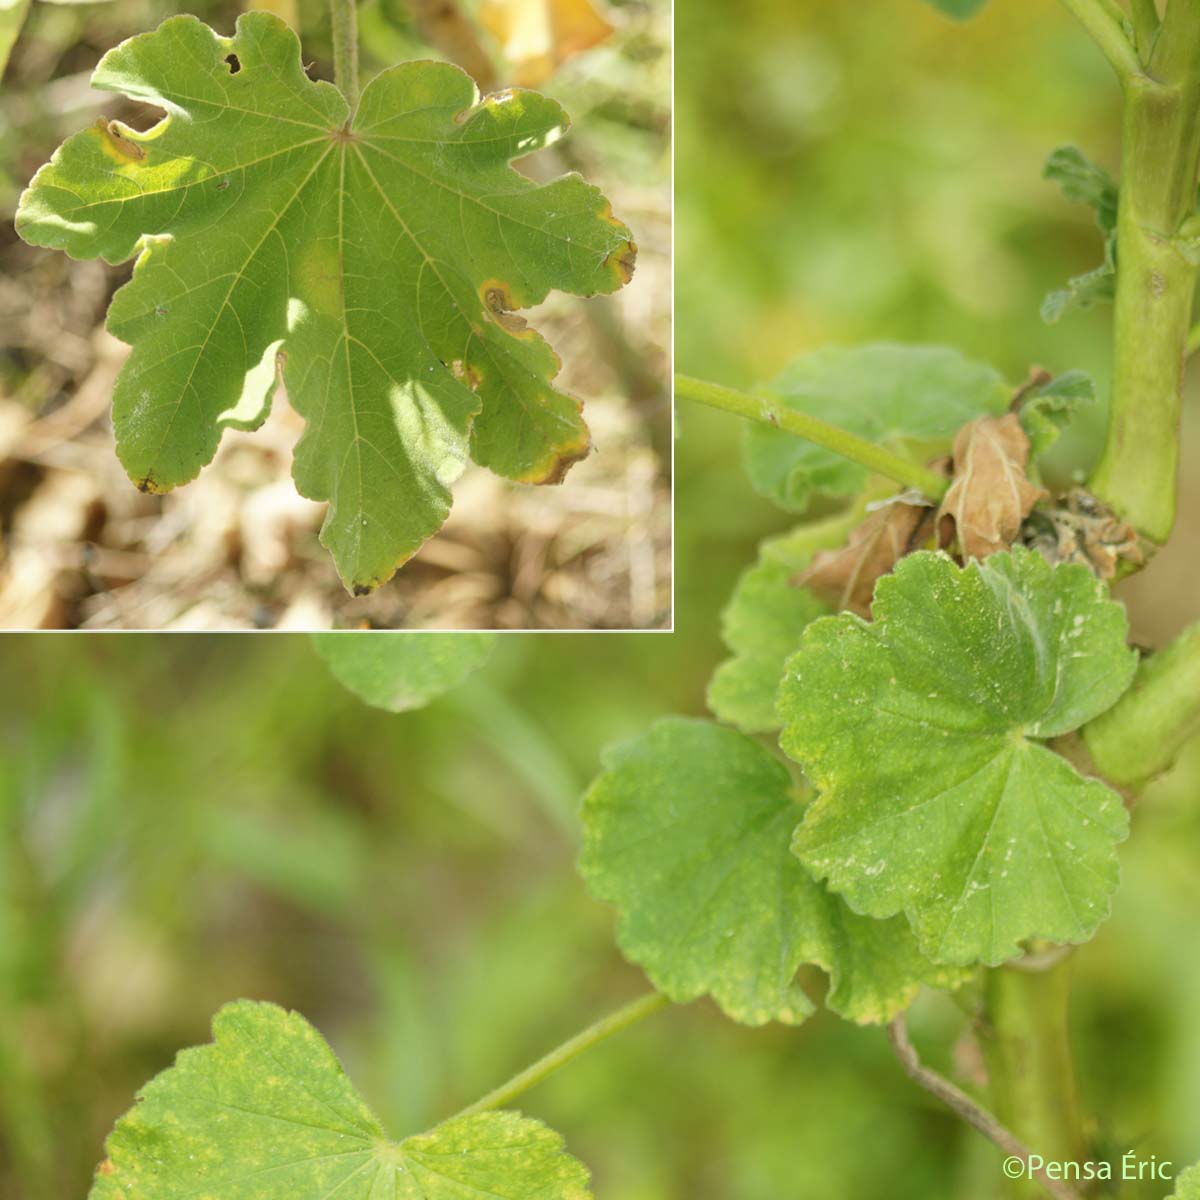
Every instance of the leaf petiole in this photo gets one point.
(615, 1022)
(344, 20)
(767, 412)
(1098, 18)
(963, 1106)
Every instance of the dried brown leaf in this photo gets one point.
(991, 494)
(845, 578)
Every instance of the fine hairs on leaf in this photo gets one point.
(924, 733)
(374, 255)
(267, 1103)
(687, 833)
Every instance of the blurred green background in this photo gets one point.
(188, 820)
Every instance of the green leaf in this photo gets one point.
(1049, 409)
(401, 671)
(911, 399)
(762, 624)
(376, 257)
(1187, 1184)
(267, 1111)
(687, 832)
(923, 731)
(960, 10)
(1084, 182)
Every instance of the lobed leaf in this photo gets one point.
(375, 254)
(266, 1110)
(762, 624)
(687, 832)
(924, 732)
(911, 399)
(402, 671)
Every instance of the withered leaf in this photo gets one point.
(991, 494)
(845, 578)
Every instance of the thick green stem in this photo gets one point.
(1026, 1042)
(630, 1014)
(1137, 471)
(344, 18)
(767, 412)
(1141, 735)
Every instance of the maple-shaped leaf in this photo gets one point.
(376, 253)
(762, 623)
(911, 399)
(687, 832)
(991, 494)
(402, 671)
(844, 579)
(924, 733)
(1084, 182)
(266, 1110)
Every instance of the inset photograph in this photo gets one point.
(317, 321)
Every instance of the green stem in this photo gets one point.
(1137, 471)
(848, 445)
(1104, 25)
(1026, 1043)
(630, 1014)
(344, 18)
(1141, 735)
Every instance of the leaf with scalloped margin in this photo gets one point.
(763, 621)
(911, 399)
(403, 671)
(924, 729)
(376, 255)
(266, 1111)
(687, 833)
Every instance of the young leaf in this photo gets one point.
(911, 399)
(266, 1110)
(923, 732)
(960, 10)
(401, 671)
(687, 832)
(376, 253)
(1086, 183)
(762, 624)
(991, 495)
(1048, 408)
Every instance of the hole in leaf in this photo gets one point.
(234, 64)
